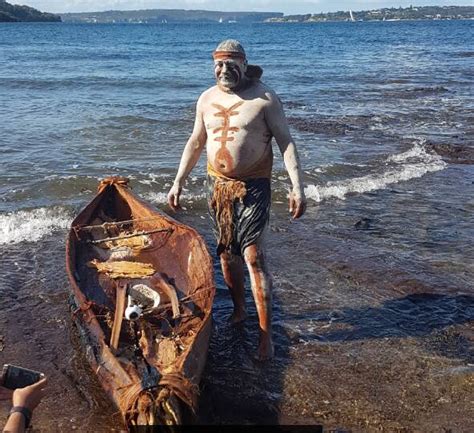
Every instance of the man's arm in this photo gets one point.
(278, 125)
(191, 153)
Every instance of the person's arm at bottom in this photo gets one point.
(16, 423)
(24, 402)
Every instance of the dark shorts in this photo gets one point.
(249, 216)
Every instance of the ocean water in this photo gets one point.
(373, 286)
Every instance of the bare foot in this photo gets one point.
(265, 349)
(238, 316)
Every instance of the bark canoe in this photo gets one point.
(120, 253)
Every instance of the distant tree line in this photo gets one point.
(15, 13)
(410, 13)
(168, 16)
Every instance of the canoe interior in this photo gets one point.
(177, 254)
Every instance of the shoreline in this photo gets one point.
(250, 23)
(364, 21)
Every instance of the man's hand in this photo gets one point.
(173, 197)
(30, 396)
(297, 204)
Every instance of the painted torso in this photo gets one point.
(238, 138)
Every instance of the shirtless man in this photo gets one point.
(235, 122)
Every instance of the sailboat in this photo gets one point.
(352, 16)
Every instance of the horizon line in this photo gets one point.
(257, 12)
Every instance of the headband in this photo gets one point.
(224, 55)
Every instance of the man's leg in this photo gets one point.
(261, 283)
(233, 270)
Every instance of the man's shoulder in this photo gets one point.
(208, 93)
(265, 92)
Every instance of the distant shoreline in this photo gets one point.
(14, 13)
(422, 13)
(367, 21)
(216, 24)
(165, 16)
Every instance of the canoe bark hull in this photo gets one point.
(180, 255)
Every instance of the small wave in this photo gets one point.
(411, 164)
(162, 197)
(465, 54)
(295, 104)
(342, 125)
(131, 120)
(156, 197)
(32, 225)
(454, 153)
(332, 125)
(396, 81)
(151, 179)
(54, 83)
(100, 82)
(429, 89)
(417, 151)
(415, 92)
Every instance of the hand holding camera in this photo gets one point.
(14, 377)
(30, 396)
(29, 389)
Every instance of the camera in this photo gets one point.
(14, 377)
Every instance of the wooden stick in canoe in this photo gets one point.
(120, 300)
(116, 238)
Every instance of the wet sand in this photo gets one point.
(358, 353)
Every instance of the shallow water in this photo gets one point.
(373, 288)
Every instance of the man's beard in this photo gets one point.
(230, 80)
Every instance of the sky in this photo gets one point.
(285, 6)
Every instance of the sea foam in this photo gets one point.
(162, 197)
(156, 197)
(32, 225)
(402, 167)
